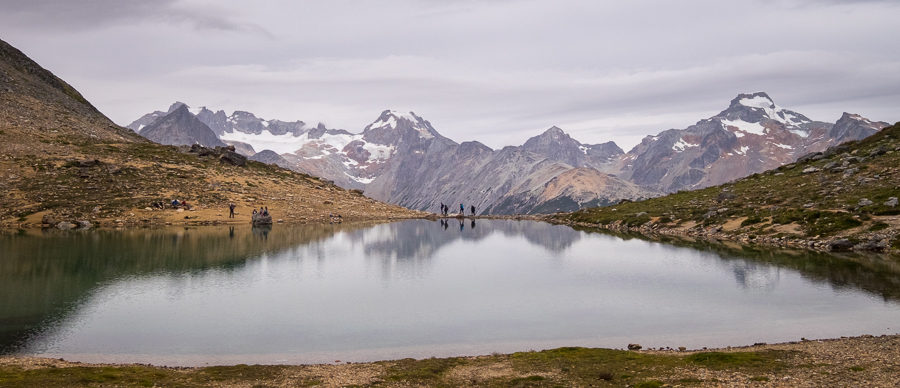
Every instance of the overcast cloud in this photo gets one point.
(497, 71)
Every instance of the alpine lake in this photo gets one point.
(419, 288)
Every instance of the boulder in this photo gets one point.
(864, 202)
(84, 224)
(634, 347)
(871, 246)
(86, 163)
(810, 156)
(48, 220)
(892, 202)
(233, 158)
(65, 225)
(840, 245)
(881, 150)
(810, 170)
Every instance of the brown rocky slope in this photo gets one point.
(61, 160)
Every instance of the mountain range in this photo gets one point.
(401, 158)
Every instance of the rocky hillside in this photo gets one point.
(62, 161)
(842, 198)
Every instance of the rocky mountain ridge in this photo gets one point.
(401, 158)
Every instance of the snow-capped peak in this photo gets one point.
(749, 112)
(392, 120)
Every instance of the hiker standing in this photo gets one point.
(462, 209)
(473, 209)
(231, 207)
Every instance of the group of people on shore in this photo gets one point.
(263, 211)
(445, 209)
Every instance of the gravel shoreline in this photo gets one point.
(872, 361)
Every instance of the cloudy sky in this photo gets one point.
(498, 71)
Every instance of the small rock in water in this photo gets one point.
(65, 225)
(840, 245)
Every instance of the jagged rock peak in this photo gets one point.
(179, 108)
(555, 132)
(552, 135)
(176, 105)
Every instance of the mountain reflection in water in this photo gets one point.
(52, 282)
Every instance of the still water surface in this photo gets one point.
(220, 295)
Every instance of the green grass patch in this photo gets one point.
(239, 372)
(751, 221)
(821, 224)
(731, 360)
(857, 368)
(137, 376)
(430, 370)
(878, 226)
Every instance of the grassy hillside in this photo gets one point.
(63, 159)
(843, 193)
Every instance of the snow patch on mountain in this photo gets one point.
(681, 145)
(757, 101)
(747, 127)
(265, 140)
